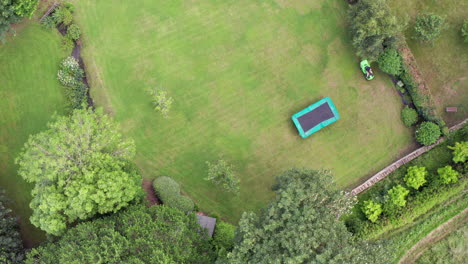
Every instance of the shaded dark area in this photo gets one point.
(315, 117)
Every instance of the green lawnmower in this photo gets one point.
(367, 70)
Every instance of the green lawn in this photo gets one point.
(30, 94)
(237, 71)
(444, 65)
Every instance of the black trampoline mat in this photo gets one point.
(315, 117)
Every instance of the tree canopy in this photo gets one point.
(80, 166)
(373, 28)
(415, 176)
(301, 225)
(136, 235)
(11, 246)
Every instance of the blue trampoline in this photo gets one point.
(315, 117)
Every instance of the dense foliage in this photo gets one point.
(73, 32)
(390, 62)
(11, 246)
(409, 116)
(223, 239)
(162, 102)
(373, 28)
(448, 175)
(372, 210)
(397, 195)
(25, 8)
(70, 75)
(62, 15)
(7, 17)
(460, 152)
(464, 30)
(137, 235)
(221, 173)
(80, 166)
(427, 133)
(168, 192)
(428, 27)
(301, 225)
(415, 177)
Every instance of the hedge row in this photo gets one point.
(168, 192)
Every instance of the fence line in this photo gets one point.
(397, 164)
(51, 8)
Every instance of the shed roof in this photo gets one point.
(207, 222)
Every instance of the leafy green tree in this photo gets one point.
(168, 191)
(415, 176)
(372, 210)
(397, 195)
(136, 235)
(390, 62)
(161, 101)
(11, 246)
(428, 27)
(301, 225)
(221, 173)
(447, 175)
(25, 8)
(373, 28)
(427, 133)
(464, 30)
(460, 152)
(80, 166)
(8, 16)
(409, 116)
(223, 239)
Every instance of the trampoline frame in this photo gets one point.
(304, 134)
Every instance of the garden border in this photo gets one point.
(402, 161)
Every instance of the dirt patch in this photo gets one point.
(151, 197)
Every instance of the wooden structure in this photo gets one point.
(451, 109)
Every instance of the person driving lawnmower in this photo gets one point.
(368, 72)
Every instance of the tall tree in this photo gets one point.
(7, 17)
(373, 28)
(301, 225)
(80, 167)
(11, 247)
(135, 235)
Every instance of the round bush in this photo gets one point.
(427, 133)
(428, 27)
(73, 32)
(409, 116)
(224, 235)
(390, 62)
(183, 203)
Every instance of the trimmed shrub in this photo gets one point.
(464, 30)
(49, 22)
(427, 133)
(168, 191)
(447, 175)
(397, 195)
(390, 62)
(73, 32)
(372, 210)
(415, 177)
(428, 27)
(460, 152)
(409, 116)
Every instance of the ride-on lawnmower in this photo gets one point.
(367, 70)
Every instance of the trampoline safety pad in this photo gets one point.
(315, 117)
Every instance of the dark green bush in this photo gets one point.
(428, 27)
(390, 62)
(48, 22)
(69, 6)
(73, 32)
(409, 116)
(168, 191)
(427, 133)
